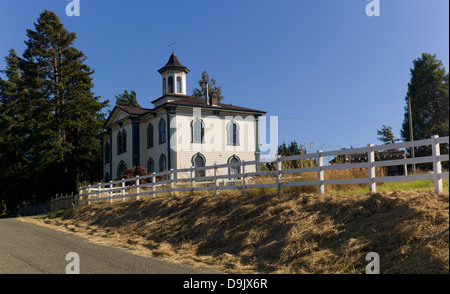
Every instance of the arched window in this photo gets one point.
(150, 136)
(233, 134)
(198, 131)
(124, 141)
(178, 84)
(198, 160)
(107, 153)
(162, 131)
(170, 84)
(121, 169)
(234, 169)
(107, 178)
(164, 86)
(150, 165)
(162, 163)
(121, 142)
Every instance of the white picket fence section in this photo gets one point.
(214, 182)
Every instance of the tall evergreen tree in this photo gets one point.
(127, 99)
(213, 89)
(69, 115)
(60, 114)
(428, 90)
(14, 163)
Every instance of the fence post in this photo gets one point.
(437, 167)
(320, 173)
(89, 194)
(244, 188)
(171, 182)
(192, 180)
(78, 196)
(110, 190)
(123, 190)
(153, 184)
(99, 191)
(277, 166)
(371, 160)
(215, 179)
(137, 187)
(52, 203)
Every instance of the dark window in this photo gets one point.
(162, 131)
(124, 141)
(233, 134)
(164, 86)
(199, 161)
(107, 178)
(170, 84)
(121, 169)
(235, 168)
(150, 166)
(162, 163)
(178, 84)
(121, 142)
(198, 131)
(150, 136)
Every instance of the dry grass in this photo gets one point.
(291, 233)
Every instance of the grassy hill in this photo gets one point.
(290, 233)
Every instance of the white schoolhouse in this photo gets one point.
(180, 131)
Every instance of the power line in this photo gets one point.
(341, 113)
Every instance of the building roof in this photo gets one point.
(133, 110)
(173, 63)
(195, 102)
(189, 101)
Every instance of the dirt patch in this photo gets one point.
(290, 233)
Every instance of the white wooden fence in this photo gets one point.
(214, 182)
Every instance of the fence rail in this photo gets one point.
(147, 185)
(57, 203)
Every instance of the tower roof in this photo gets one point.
(173, 63)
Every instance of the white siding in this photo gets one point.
(214, 148)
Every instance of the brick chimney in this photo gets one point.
(213, 100)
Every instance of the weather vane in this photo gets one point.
(173, 46)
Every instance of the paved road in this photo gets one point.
(27, 248)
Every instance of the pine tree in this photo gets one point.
(213, 89)
(14, 162)
(60, 114)
(127, 99)
(386, 135)
(428, 90)
(69, 114)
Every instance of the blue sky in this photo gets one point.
(330, 73)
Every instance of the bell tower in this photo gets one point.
(173, 77)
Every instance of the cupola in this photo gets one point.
(173, 77)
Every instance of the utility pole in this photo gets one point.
(411, 138)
